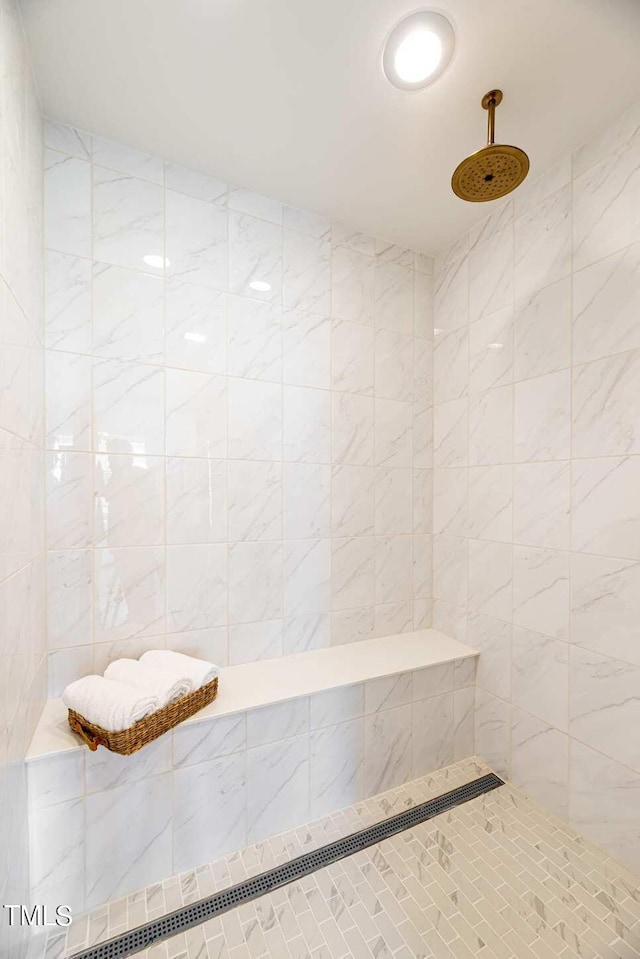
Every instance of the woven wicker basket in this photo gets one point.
(128, 741)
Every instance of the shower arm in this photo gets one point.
(490, 101)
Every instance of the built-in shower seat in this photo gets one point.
(286, 741)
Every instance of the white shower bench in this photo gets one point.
(286, 741)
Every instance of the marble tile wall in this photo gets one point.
(537, 481)
(104, 825)
(238, 421)
(22, 555)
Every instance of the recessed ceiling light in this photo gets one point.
(260, 286)
(496, 346)
(418, 50)
(418, 56)
(157, 262)
(195, 337)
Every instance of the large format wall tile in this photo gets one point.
(436, 749)
(388, 760)
(451, 295)
(606, 406)
(128, 838)
(248, 642)
(491, 503)
(352, 354)
(255, 582)
(57, 838)
(68, 207)
(450, 433)
(197, 578)
(254, 330)
(195, 321)
(196, 241)
(541, 590)
(605, 198)
(493, 639)
(196, 414)
(540, 761)
(490, 578)
(542, 326)
(492, 730)
(491, 351)
(196, 500)
(277, 787)
(451, 353)
(69, 579)
(491, 270)
(69, 500)
(129, 500)
(491, 427)
(543, 243)
(307, 576)
(252, 387)
(74, 143)
(605, 605)
(542, 418)
(606, 298)
(605, 705)
(255, 500)
(199, 836)
(450, 569)
(204, 742)
(128, 318)
(129, 593)
(604, 501)
(307, 274)
(125, 160)
(68, 402)
(598, 783)
(537, 471)
(393, 297)
(106, 770)
(352, 285)
(336, 763)
(128, 407)
(127, 219)
(450, 501)
(307, 500)
(542, 520)
(541, 676)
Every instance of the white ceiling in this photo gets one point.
(287, 97)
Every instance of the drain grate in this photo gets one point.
(170, 925)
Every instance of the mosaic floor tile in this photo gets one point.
(495, 878)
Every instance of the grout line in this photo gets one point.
(510, 762)
(92, 423)
(570, 798)
(439, 403)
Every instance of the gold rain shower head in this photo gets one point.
(493, 171)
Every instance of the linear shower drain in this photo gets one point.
(175, 922)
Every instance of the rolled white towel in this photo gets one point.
(108, 704)
(146, 676)
(186, 667)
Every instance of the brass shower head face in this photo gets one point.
(490, 173)
(493, 171)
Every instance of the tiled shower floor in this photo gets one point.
(495, 878)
